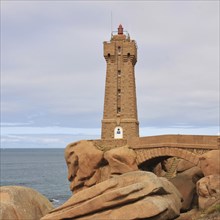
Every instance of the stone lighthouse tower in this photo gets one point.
(120, 107)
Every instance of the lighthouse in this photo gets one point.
(120, 119)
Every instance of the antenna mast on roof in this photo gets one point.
(111, 23)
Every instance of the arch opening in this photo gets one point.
(149, 165)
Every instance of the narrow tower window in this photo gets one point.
(119, 50)
(119, 72)
(118, 110)
(119, 92)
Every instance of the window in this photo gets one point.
(119, 50)
(118, 110)
(129, 54)
(119, 92)
(119, 72)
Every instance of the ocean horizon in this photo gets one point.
(41, 169)
(53, 138)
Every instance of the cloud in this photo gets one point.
(15, 136)
(53, 70)
(182, 129)
(48, 130)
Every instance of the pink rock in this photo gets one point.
(184, 165)
(210, 162)
(87, 165)
(121, 160)
(185, 183)
(133, 195)
(83, 159)
(208, 190)
(19, 203)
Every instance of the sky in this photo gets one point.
(53, 69)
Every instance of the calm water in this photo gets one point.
(41, 169)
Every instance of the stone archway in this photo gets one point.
(148, 154)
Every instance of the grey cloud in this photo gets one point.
(53, 65)
(42, 141)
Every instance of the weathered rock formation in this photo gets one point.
(210, 162)
(190, 215)
(186, 184)
(133, 195)
(84, 161)
(121, 160)
(19, 203)
(87, 165)
(92, 170)
(208, 189)
(183, 165)
(183, 175)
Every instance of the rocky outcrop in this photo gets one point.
(133, 195)
(121, 160)
(208, 189)
(186, 184)
(190, 215)
(183, 165)
(83, 161)
(210, 162)
(19, 203)
(87, 165)
(184, 177)
(93, 168)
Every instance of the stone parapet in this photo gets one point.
(176, 141)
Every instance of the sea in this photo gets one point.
(44, 170)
